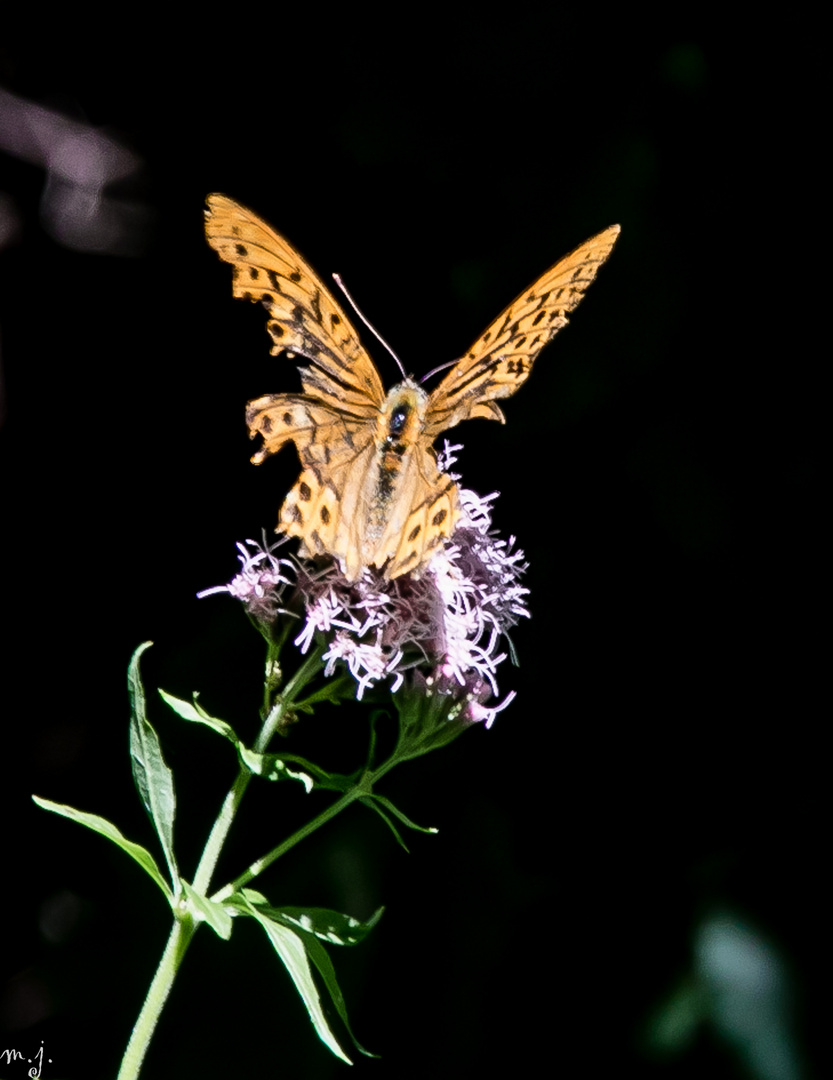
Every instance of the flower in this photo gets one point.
(444, 624)
(261, 582)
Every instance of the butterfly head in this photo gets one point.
(401, 417)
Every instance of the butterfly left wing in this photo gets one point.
(501, 359)
(304, 317)
(335, 449)
(316, 429)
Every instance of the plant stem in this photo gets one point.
(358, 792)
(185, 926)
(178, 942)
(261, 864)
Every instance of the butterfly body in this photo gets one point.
(355, 498)
(370, 493)
(399, 428)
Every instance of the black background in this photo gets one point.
(663, 762)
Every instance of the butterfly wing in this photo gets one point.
(501, 360)
(340, 505)
(304, 317)
(324, 508)
(417, 526)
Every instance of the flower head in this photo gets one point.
(444, 624)
(261, 581)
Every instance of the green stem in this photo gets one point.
(261, 864)
(178, 942)
(185, 927)
(358, 792)
(296, 684)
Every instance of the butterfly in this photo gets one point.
(370, 493)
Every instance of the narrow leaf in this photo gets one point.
(331, 926)
(341, 688)
(388, 805)
(208, 911)
(106, 828)
(269, 766)
(290, 947)
(371, 804)
(319, 956)
(273, 767)
(153, 778)
(196, 714)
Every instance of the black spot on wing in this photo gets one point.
(316, 307)
(477, 380)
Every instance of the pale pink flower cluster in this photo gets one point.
(261, 581)
(448, 620)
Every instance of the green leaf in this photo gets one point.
(153, 778)
(269, 766)
(388, 805)
(291, 948)
(381, 804)
(371, 804)
(330, 926)
(209, 911)
(273, 767)
(197, 714)
(319, 956)
(335, 690)
(106, 828)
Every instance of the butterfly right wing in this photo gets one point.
(502, 358)
(304, 317)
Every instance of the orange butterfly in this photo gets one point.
(370, 492)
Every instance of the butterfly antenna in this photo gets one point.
(369, 325)
(434, 371)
